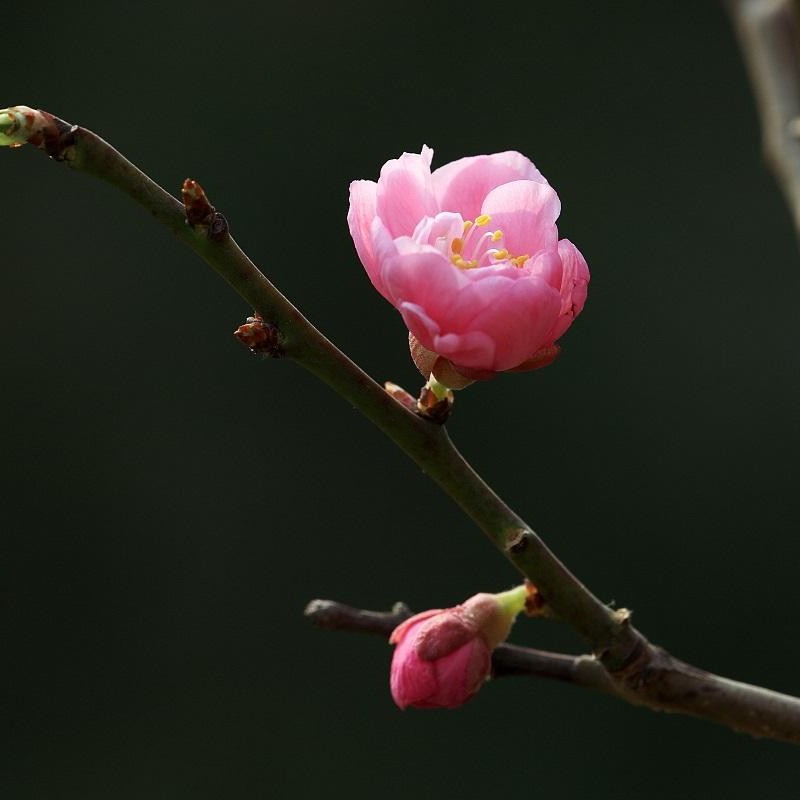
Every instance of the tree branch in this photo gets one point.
(663, 684)
(638, 671)
(427, 444)
(769, 37)
(508, 660)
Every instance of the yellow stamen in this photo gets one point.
(497, 236)
(483, 219)
(456, 245)
(500, 254)
(468, 223)
(519, 260)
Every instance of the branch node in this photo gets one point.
(260, 337)
(623, 616)
(535, 603)
(518, 542)
(201, 214)
(406, 399)
(428, 406)
(218, 229)
(431, 408)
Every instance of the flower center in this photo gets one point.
(477, 249)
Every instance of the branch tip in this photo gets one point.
(21, 125)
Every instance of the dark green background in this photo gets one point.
(170, 502)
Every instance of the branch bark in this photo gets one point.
(633, 668)
(769, 37)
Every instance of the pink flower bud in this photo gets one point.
(443, 656)
(469, 255)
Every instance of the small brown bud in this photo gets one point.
(260, 337)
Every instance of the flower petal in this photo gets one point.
(402, 629)
(573, 287)
(462, 185)
(405, 193)
(363, 197)
(526, 212)
(461, 674)
(422, 275)
(411, 680)
(473, 349)
(518, 321)
(445, 634)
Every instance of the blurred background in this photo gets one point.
(171, 502)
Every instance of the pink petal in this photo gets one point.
(517, 321)
(363, 198)
(469, 348)
(405, 193)
(383, 249)
(472, 349)
(445, 225)
(402, 629)
(462, 185)
(443, 634)
(526, 212)
(576, 277)
(411, 680)
(423, 276)
(461, 674)
(573, 288)
(547, 265)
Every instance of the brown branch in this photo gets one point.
(508, 660)
(769, 37)
(614, 641)
(624, 662)
(655, 680)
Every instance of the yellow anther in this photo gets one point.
(483, 219)
(500, 254)
(519, 260)
(461, 263)
(456, 245)
(497, 236)
(468, 223)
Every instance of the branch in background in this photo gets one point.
(769, 36)
(664, 684)
(632, 668)
(508, 660)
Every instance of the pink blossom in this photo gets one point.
(443, 656)
(469, 255)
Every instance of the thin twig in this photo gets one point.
(664, 684)
(769, 36)
(508, 660)
(639, 672)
